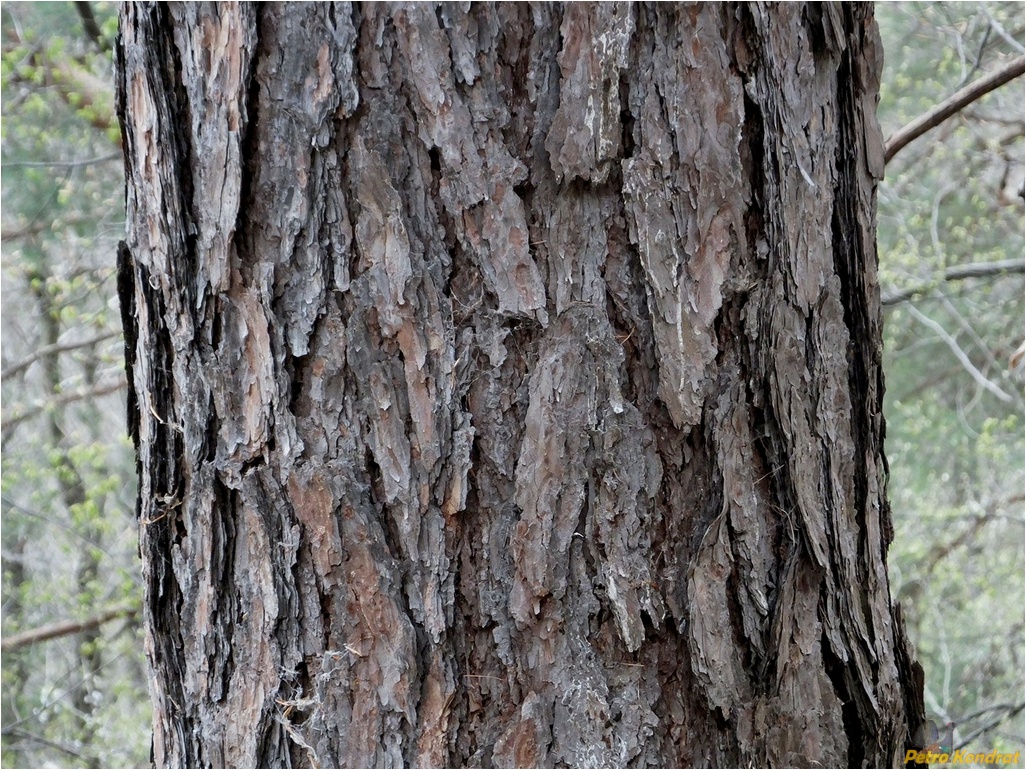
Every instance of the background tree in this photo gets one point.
(951, 252)
(507, 385)
(68, 530)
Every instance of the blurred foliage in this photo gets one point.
(954, 437)
(956, 447)
(68, 496)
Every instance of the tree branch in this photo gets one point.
(25, 735)
(1009, 710)
(937, 554)
(92, 29)
(65, 347)
(64, 628)
(25, 232)
(9, 422)
(55, 522)
(994, 25)
(953, 104)
(63, 163)
(958, 273)
(963, 359)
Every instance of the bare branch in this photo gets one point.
(9, 422)
(25, 735)
(952, 105)
(65, 347)
(958, 273)
(92, 29)
(963, 359)
(994, 25)
(64, 628)
(25, 232)
(63, 163)
(976, 523)
(65, 526)
(1006, 711)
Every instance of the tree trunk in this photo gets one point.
(506, 385)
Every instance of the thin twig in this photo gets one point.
(9, 422)
(57, 523)
(60, 347)
(994, 25)
(40, 710)
(1012, 710)
(25, 735)
(62, 163)
(960, 355)
(958, 273)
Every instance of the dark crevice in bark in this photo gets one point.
(815, 22)
(857, 739)
(183, 254)
(703, 495)
(213, 427)
(746, 44)
(752, 660)
(296, 370)
(436, 171)
(130, 330)
(215, 312)
(627, 138)
(272, 736)
(753, 161)
(347, 302)
(166, 446)
(625, 333)
(252, 464)
(373, 474)
(165, 528)
(863, 350)
(224, 615)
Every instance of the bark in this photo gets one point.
(506, 385)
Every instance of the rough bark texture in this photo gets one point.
(506, 385)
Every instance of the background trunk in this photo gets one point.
(506, 385)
